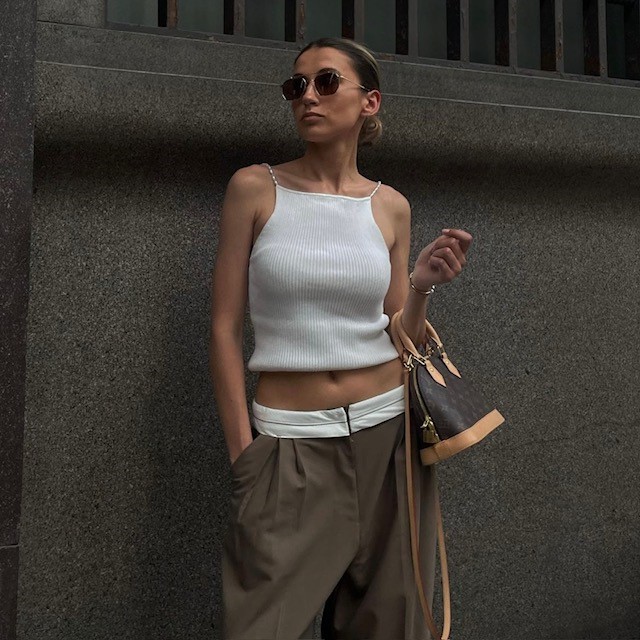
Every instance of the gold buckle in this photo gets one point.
(409, 364)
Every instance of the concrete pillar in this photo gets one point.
(17, 53)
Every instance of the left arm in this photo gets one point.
(400, 294)
(439, 262)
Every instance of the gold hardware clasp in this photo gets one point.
(429, 435)
(409, 364)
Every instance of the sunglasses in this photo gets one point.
(325, 83)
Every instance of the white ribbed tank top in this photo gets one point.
(318, 275)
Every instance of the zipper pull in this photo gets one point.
(429, 435)
(346, 410)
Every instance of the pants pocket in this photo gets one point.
(246, 469)
(239, 461)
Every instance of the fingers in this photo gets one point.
(447, 253)
(443, 267)
(449, 261)
(454, 249)
(463, 237)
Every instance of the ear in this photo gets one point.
(372, 104)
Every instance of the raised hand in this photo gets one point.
(442, 260)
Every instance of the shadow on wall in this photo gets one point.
(124, 243)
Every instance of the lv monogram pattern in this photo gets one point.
(453, 408)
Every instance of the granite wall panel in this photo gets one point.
(126, 473)
(90, 13)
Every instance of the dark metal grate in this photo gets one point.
(552, 41)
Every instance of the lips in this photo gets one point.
(311, 115)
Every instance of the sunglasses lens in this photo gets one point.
(327, 83)
(293, 88)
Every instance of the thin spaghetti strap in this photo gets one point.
(271, 172)
(379, 183)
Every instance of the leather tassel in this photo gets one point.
(450, 365)
(435, 374)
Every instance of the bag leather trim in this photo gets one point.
(449, 447)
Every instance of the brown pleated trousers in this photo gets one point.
(323, 522)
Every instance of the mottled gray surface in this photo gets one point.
(90, 13)
(17, 56)
(126, 472)
(200, 55)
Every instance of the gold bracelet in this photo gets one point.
(424, 293)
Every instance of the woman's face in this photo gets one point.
(340, 113)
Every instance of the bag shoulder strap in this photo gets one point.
(405, 347)
(446, 598)
(401, 339)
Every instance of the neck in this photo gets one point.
(333, 165)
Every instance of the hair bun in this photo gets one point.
(371, 131)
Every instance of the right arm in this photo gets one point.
(229, 289)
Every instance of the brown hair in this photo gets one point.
(366, 67)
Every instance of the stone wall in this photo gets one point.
(126, 471)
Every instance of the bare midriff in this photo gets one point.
(315, 390)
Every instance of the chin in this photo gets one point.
(312, 136)
(318, 137)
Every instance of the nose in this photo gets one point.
(310, 94)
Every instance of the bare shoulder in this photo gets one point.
(395, 203)
(251, 181)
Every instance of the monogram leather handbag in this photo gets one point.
(444, 415)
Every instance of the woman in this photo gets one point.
(321, 255)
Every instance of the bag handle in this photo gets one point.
(407, 350)
(446, 598)
(401, 337)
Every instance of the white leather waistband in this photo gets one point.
(328, 423)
